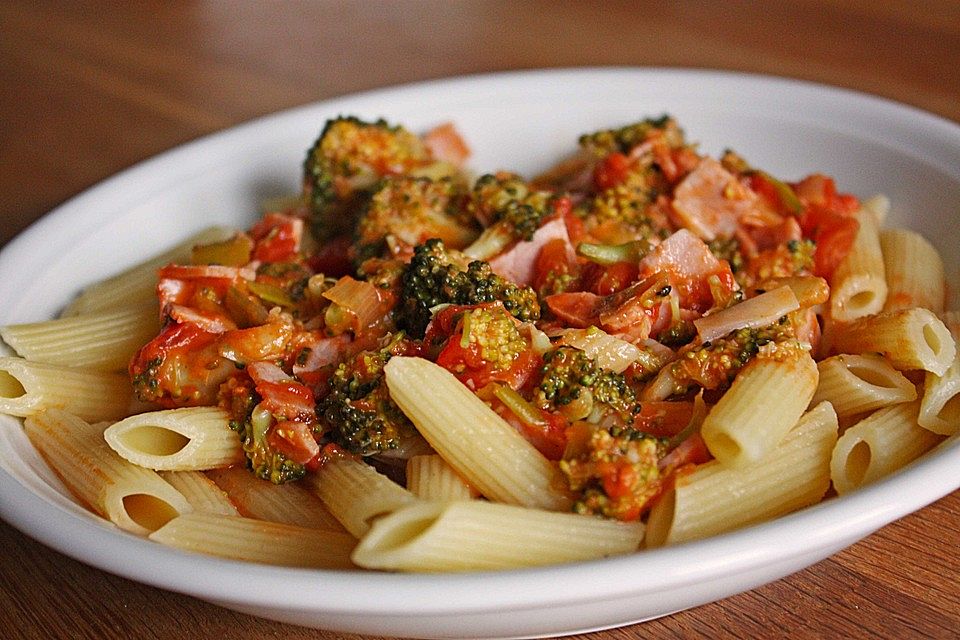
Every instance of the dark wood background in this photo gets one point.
(90, 88)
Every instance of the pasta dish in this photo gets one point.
(411, 367)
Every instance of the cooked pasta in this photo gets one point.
(879, 445)
(476, 535)
(186, 439)
(133, 498)
(714, 498)
(855, 384)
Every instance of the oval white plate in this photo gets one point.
(520, 121)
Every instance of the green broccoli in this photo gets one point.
(614, 472)
(494, 334)
(436, 275)
(574, 384)
(626, 138)
(358, 410)
(410, 210)
(348, 158)
(509, 209)
(253, 424)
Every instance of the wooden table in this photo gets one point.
(90, 89)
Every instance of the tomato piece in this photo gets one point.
(611, 171)
(277, 237)
(604, 280)
(475, 372)
(692, 451)
(663, 419)
(552, 261)
(333, 258)
(833, 234)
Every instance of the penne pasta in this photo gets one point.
(186, 439)
(859, 284)
(714, 498)
(910, 338)
(764, 402)
(29, 387)
(356, 494)
(133, 498)
(476, 535)
(104, 341)
(288, 503)
(258, 541)
(429, 477)
(855, 384)
(201, 492)
(474, 440)
(879, 445)
(914, 270)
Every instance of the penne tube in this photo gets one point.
(103, 341)
(186, 439)
(914, 269)
(137, 286)
(258, 541)
(859, 283)
(879, 206)
(940, 405)
(759, 311)
(713, 498)
(28, 387)
(476, 535)
(201, 492)
(484, 449)
(429, 477)
(288, 503)
(910, 338)
(856, 384)
(356, 493)
(133, 498)
(764, 402)
(879, 445)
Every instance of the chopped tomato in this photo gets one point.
(333, 258)
(277, 237)
(611, 171)
(833, 234)
(604, 280)
(663, 419)
(475, 372)
(552, 262)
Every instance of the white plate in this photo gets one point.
(520, 121)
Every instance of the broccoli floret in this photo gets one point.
(494, 334)
(614, 472)
(714, 364)
(252, 425)
(574, 384)
(361, 416)
(437, 276)
(347, 159)
(509, 209)
(408, 211)
(624, 139)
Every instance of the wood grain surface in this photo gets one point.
(90, 88)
